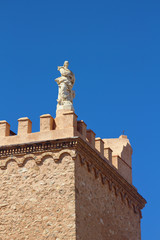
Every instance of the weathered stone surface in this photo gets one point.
(62, 195)
(62, 183)
(100, 214)
(38, 202)
(65, 93)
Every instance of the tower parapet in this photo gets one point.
(117, 151)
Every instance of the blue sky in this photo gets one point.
(114, 50)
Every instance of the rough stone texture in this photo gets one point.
(100, 215)
(62, 183)
(61, 194)
(38, 201)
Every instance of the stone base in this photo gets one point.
(64, 109)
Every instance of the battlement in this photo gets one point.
(116, 152)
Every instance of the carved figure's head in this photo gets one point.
(66, 63)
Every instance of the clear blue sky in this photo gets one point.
(114, 50)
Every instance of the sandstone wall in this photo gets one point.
(37, 202)
(100, 214)
(64, 190)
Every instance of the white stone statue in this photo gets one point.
(65, 84)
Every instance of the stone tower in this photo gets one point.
(63, 183)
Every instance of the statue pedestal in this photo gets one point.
(64, 108)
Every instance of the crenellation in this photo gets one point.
(81, 128)
(66, 125)
(91, 137)
(99, 145)
(4, 128)
(47, 123)
(24, 126)
(108, 154)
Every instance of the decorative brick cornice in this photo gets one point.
(88, 156)
(17, 150)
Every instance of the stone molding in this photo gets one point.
(35, 147)
(75, 147)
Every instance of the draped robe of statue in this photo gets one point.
(65, 84)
